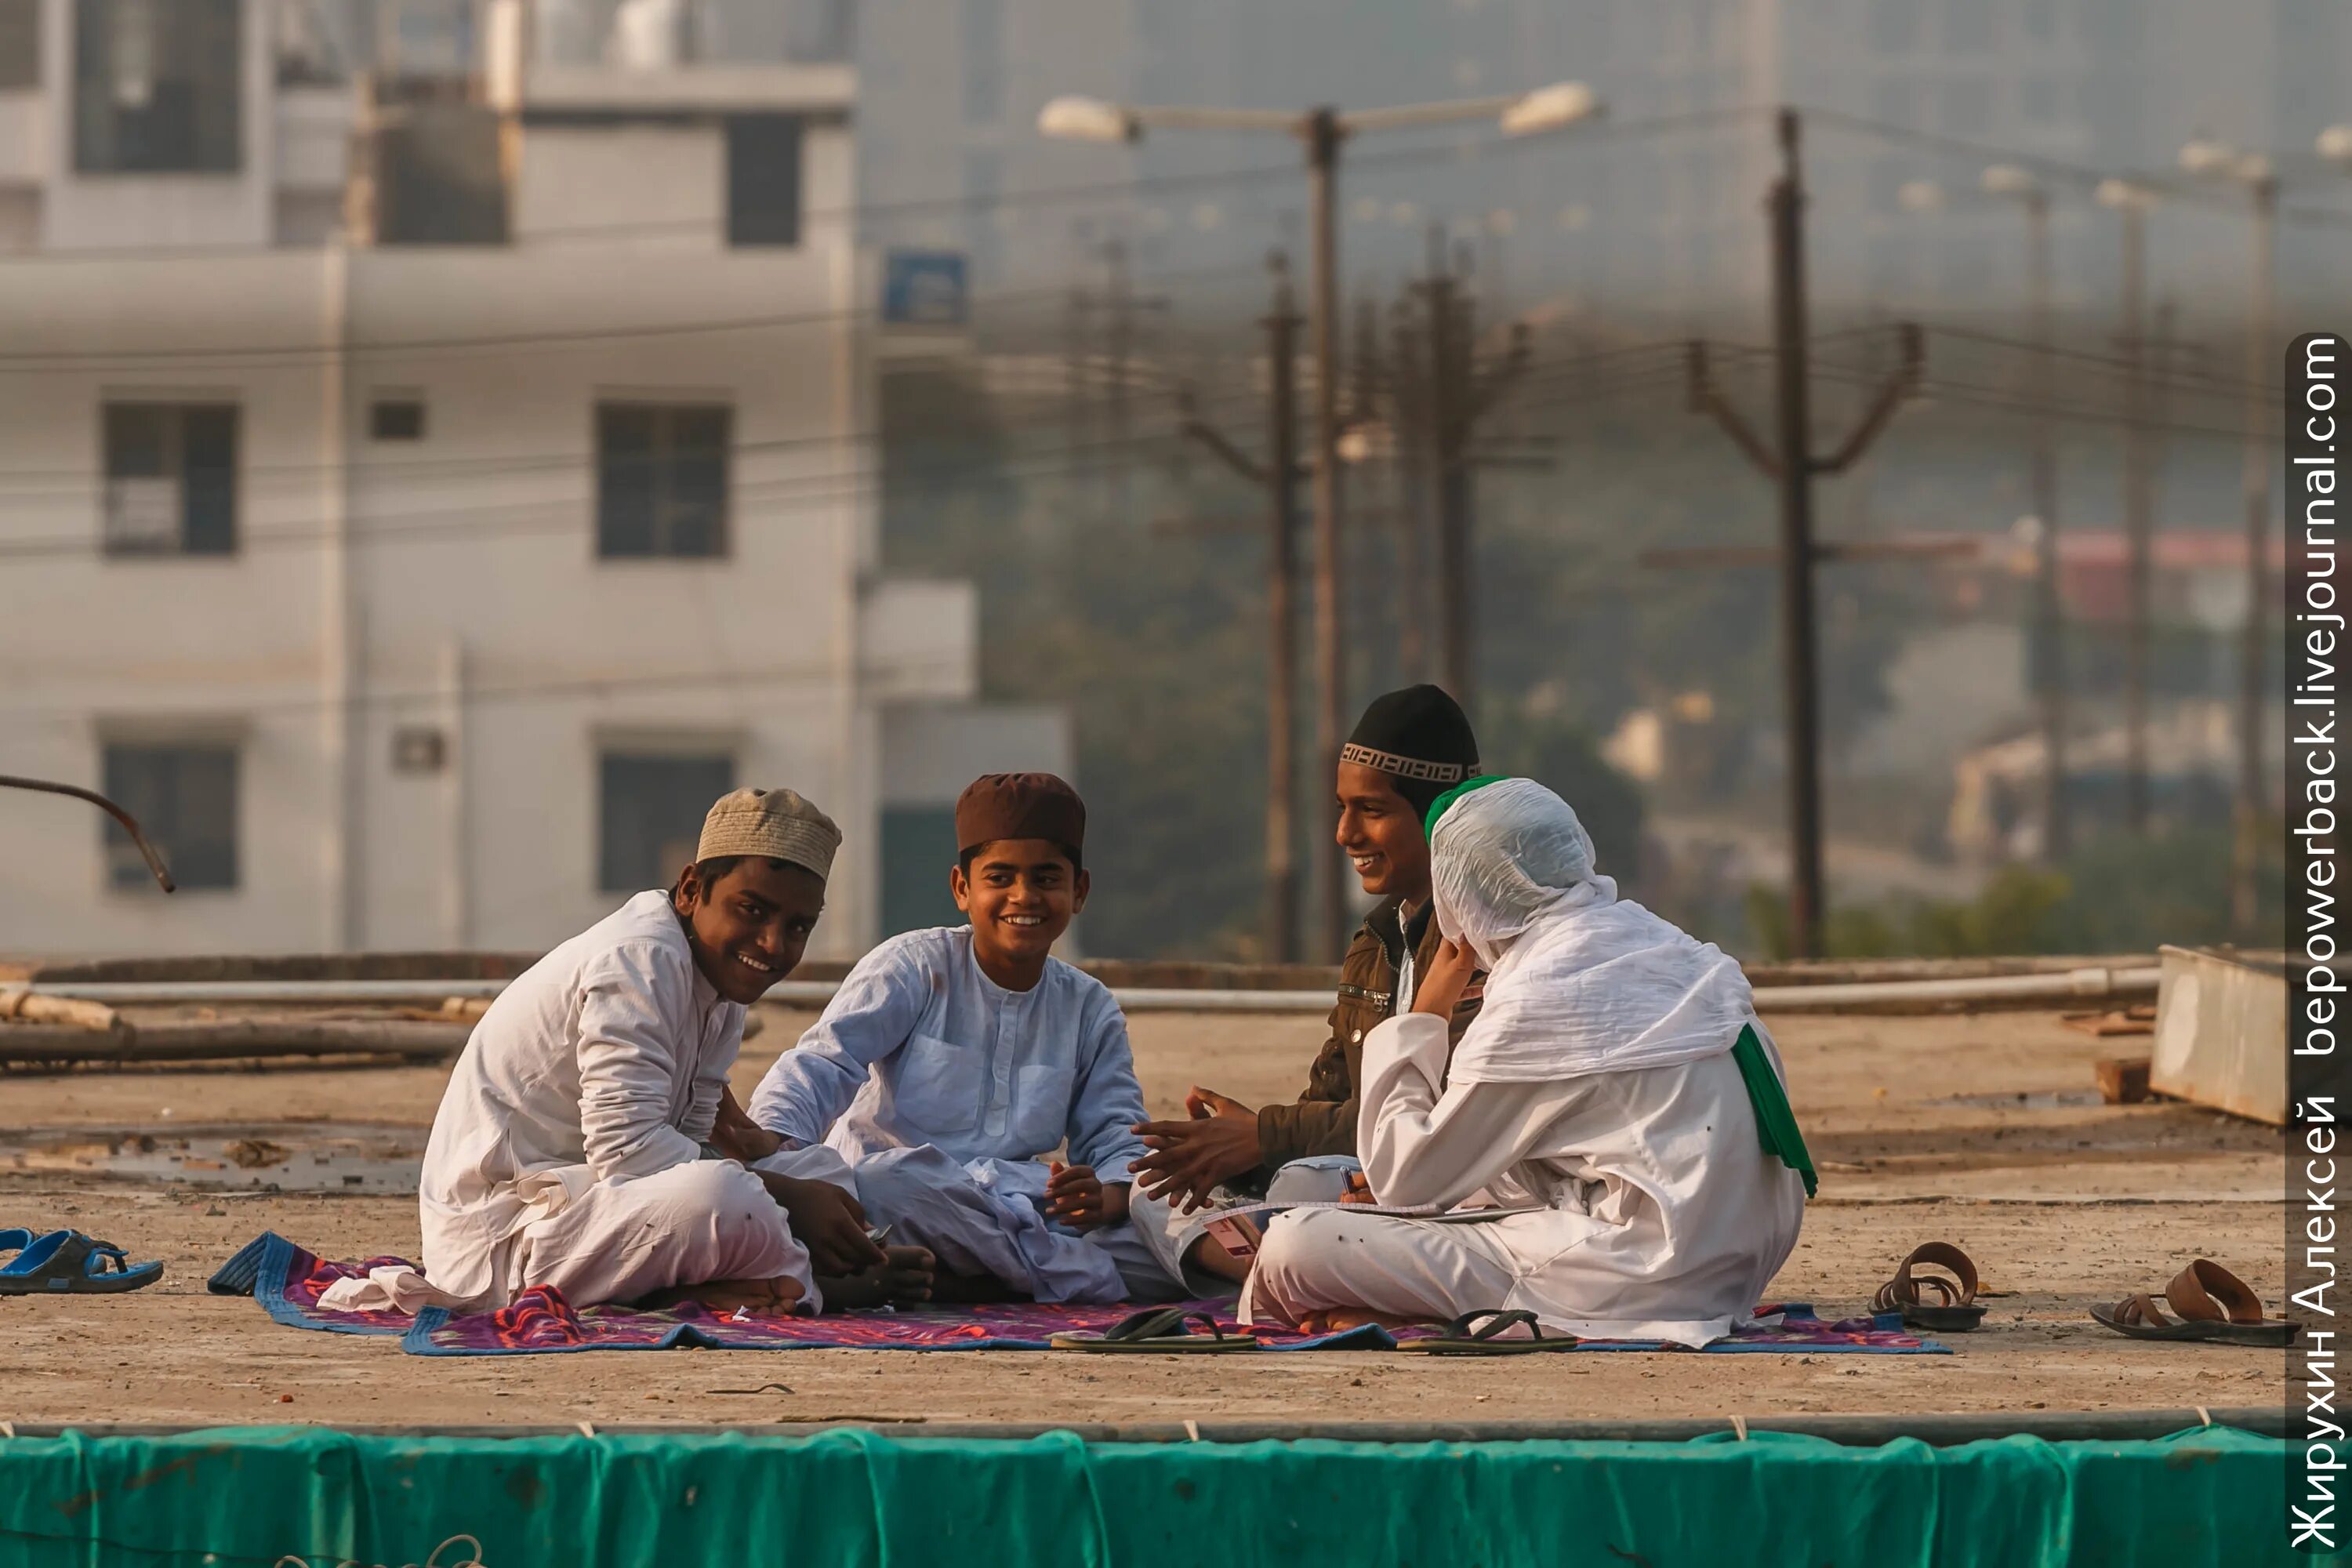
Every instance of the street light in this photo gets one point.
(2008, 181)
(1321, 131)
(2258, 176)
(2335, 144)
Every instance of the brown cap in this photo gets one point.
(774, 823)
(1019, 806)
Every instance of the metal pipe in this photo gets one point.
(147, 851)
(1850, 1431)
(2014, 989)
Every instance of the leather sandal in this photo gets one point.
(1480, 1333)
(1156, 1330)
(1955, 1311)
(2212, 1305)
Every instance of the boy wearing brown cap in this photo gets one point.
(578, 1143)
(952, 1058)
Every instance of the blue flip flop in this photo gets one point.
(66, 1262)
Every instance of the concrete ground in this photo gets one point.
(1983, 1130)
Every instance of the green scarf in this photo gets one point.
(1776, 1124)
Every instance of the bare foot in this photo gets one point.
(972, 1288)
(779, 1295)
(903, 1278)
(1339, 1320)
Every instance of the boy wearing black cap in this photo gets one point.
(952, 1058)
(1409, 748)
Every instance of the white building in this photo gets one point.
(424, 489)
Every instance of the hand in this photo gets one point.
(1204, 1102)
(1359, 1191)
(1080, 1199)
(1217, 1143)
(737, 1136)
(1448, 976)
(828, 1222)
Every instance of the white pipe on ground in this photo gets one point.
(2088, 984)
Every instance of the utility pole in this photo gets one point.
(1117, 335)
(1799, 645)
(1323, 134)
(1790, 462)
(1278, 475)
(2050, 621)
(2261, 377)
(1409, 387)
(1456, 392)
(2139, 513)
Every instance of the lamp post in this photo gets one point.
(1321, 132)
(2006, 181)
(2258, 177)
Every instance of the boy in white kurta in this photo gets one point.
(1616, 1076)
(951, 1060)
(574, 1145)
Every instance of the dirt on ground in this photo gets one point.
(1983, 1131)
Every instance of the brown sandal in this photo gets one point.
(1956, 1313)
(2214, 1307)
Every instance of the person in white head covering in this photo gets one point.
(1616, 1089)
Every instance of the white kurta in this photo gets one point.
(943, 1088)
(1665, 1218)
(567, 1149)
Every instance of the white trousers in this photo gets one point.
(691, 1224)
(1398, 1267)
(985, 1219)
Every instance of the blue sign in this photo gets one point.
(925, 289)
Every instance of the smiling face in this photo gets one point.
(749, 924)
(1381, 832)
(1020, 894)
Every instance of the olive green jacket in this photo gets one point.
(1323, 1118)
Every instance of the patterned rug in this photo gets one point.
(287, 1281)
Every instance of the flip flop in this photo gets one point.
(1956, 1313)
(1479, 1333)
(2215, 1307)
(66, 1262)
(1157, 1331)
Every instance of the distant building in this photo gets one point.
(434, 464)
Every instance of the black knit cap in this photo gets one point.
(1420, 737)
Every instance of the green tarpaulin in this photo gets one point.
(257, 1496)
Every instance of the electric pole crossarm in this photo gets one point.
(1891, 396)
(1705, 399)
(1233, 457)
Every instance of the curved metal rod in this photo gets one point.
(130, 823)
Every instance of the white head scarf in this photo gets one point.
(1577, 980)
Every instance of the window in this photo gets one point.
(185, 797)
(650, 815)
(661, 480)
(20, 44)
(156, 87)
(396, 419)
(438, 178)
(763, 179)
(171, 478)
(918, 844)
